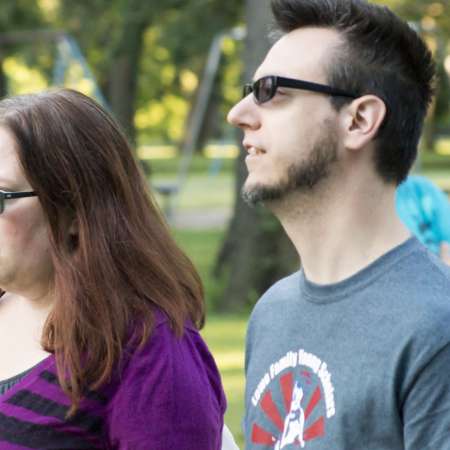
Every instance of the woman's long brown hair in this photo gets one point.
(114, 259)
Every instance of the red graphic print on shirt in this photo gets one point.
(295, 402)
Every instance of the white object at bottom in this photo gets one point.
(228, 442)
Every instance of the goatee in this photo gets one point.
(303, 176)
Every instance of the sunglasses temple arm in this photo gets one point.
(315, 87)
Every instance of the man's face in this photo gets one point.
(292, 140)
(25, 263)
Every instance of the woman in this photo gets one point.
(100, 310)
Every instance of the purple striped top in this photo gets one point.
(166, 396)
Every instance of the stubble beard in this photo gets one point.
(302, 177)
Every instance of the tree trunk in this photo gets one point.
(124, 69)
(255, 252)
(3, 80)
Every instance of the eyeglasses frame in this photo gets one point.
(295, 84)
(5, 195)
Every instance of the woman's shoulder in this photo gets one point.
(165, 381)
(175, 357)
(163, 337)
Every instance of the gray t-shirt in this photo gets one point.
(363, 364)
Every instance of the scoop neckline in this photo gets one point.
(18, 376)
(28, 377)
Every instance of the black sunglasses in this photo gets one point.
(9, 195)
(265, 88)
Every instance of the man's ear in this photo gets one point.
(362, 121)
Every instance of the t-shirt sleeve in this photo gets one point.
(169, 396)
(426, 409)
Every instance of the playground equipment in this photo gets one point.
(68, 54)
(170, 189)
(68, 57)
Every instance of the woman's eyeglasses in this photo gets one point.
(265, 88)
(9, 195)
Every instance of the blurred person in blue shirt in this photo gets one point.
(425, 210)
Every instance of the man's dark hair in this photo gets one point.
(381, 55)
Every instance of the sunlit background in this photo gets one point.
(169, 71)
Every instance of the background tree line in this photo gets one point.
(148, 57)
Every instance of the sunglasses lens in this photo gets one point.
(248, 89)
(264, 89)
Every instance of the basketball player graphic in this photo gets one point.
(294, 423)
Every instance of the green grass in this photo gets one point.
(202, 247)
(224, 335)
(200, 191)
(198, 164)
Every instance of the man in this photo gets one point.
(363, 329)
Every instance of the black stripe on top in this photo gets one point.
(49, 408)
(32, 435)
(92, 395)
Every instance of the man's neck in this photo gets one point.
(338, 232)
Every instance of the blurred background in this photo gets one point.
(169, 70)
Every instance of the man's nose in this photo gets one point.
(243, 114)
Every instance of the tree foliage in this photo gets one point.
(148, 57)
(16, 15)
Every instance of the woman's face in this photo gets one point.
(25, 262)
